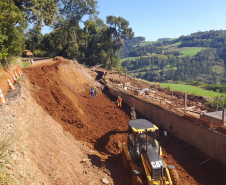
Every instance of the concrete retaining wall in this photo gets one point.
(208, 141)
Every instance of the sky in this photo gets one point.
(154, 19)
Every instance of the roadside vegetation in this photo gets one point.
(5, 161)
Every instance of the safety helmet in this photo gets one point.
(118, 96)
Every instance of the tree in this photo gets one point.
(14, 18)
(37, 11)
(12, 24)
(70, 14)
(34, 39)
(119, 31)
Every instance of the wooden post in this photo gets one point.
(126, 75)
(185, 102)
(217, 103)
(223, 116)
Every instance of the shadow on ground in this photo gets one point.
(114, 168)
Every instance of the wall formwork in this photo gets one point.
(206, 140)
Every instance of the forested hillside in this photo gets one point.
(129, 45)
(199, 57)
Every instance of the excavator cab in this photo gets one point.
(142, 155)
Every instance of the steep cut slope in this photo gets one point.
(96, 121)
(62, 89)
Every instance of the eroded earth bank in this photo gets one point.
(66, 137)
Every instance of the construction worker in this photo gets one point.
(95, 91)
(92, 92)
(119, 100)
(106, 80)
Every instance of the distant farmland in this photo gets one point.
(197, 91)
(190, 51)
(175, 44)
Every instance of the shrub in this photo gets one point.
(39, 53)
(218, 90)
(168, 87)
(25, 64)
(5, 160)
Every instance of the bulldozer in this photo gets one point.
(142, 155)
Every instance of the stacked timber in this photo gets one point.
(118, 85)
(127, 84)
(141, 92)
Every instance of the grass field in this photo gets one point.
(197, 91)
(190, 51)
(128, 58)
(149, 55)
(171, 39)
(175, 68)
(157, 55)
(175, 44)
(145, 43)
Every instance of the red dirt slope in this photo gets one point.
(100, 122)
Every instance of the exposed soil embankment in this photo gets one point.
(62, 89)
(96, 121)
(86, 118)
(41, 151)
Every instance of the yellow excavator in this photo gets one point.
(27, 53)
(142, 155)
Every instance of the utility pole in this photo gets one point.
(223, 116)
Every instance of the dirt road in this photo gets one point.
(101, 123)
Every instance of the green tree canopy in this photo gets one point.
(37, 11)
(119, 28)
(12, 24)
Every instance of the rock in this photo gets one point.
(105, 181)
(118, 145)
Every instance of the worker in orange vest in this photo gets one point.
(119, 100)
